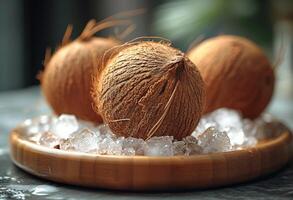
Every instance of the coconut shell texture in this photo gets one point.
(237, 74)
(149, 89)
(67, 79)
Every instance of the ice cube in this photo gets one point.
(222, 130)
(49, 139)
(116, 149)
(214, 141)
(64, 126)
(159, 146)
(271, 126)
(86, 124)
(203, 125)
(249, 128)
(26, 123)
(45, 122)
(250, 142)
(34, 128)
(84, 141)
(35, 137)
(263, 127)
(226, 117)
(225, 120)
(104, 145)
(236, 135)
(37, 125)
(136, 143)
(65, 144)
(129, 151)
(192, 146)
(190, 139)
(179, 148)
(222, 119)
(105, 131)
(110, 146)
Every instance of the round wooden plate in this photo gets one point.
(150, 173)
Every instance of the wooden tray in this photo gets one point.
(150, 173)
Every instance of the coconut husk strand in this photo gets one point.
(237, 74)
(147, 89)
(67, 78)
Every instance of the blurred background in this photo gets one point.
(28, 27)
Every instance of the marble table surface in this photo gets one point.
(16, 106)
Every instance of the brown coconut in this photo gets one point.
(149, 89)
(237, 74)
(67, 78)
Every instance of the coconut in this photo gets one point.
(237, 74)
(67, 78)
(147, 89)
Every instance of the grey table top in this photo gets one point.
(16, 184)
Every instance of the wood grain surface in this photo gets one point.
(142, 173)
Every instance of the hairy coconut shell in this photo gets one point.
(67, 78)
(237, 74)
(149, 89)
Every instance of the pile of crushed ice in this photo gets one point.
(220, 131)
